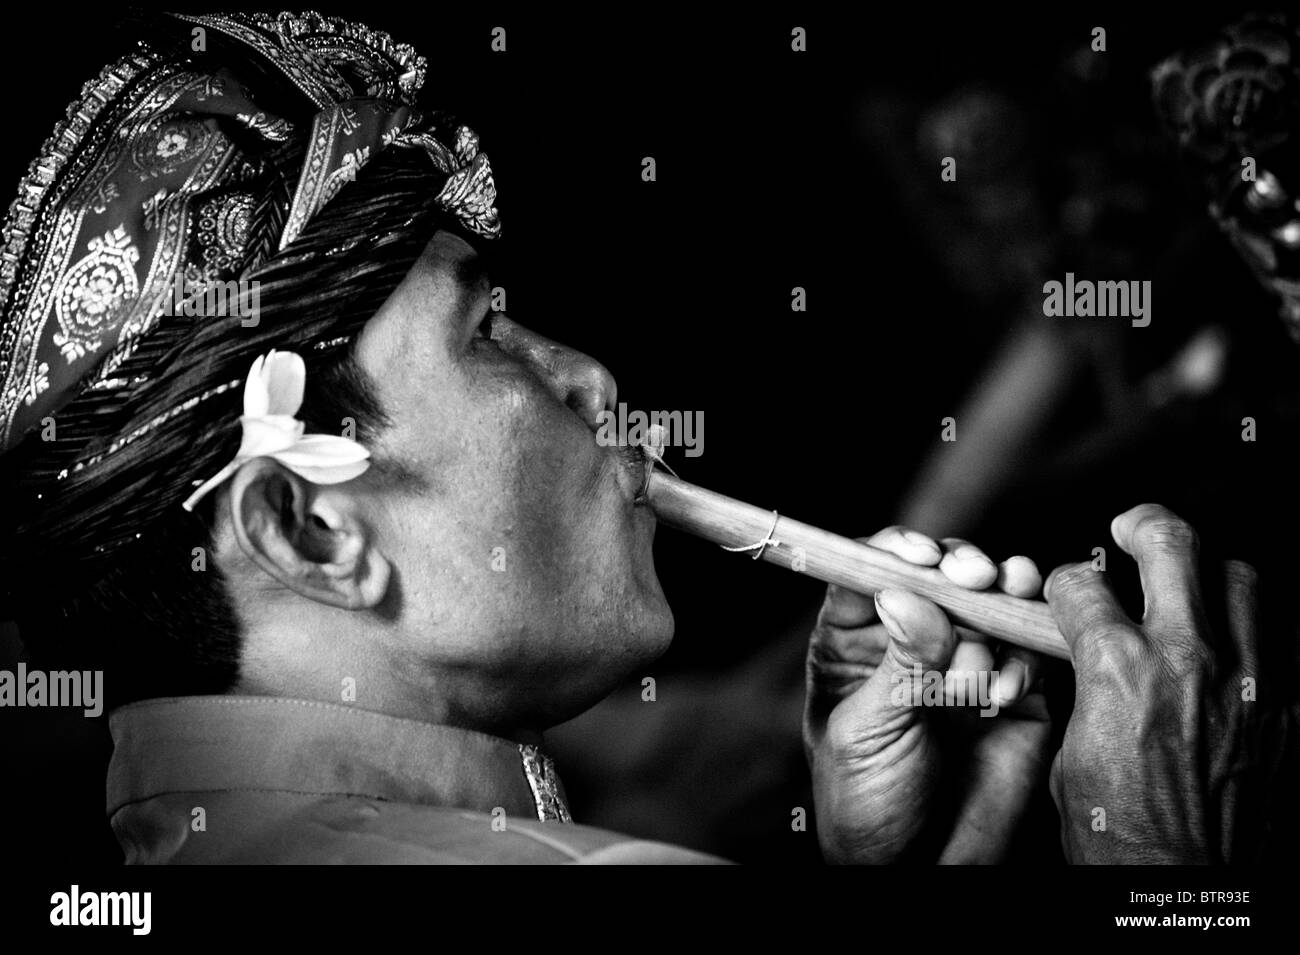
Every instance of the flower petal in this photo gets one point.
(268, 434)
(273, 393)
(333, 474)
(256, 397)
(285, 374)
(326, 455)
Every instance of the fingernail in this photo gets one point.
(1006, 688)
(885, 614)
(918, 539)
(970, 552)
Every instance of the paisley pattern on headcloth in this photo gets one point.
(159, 168)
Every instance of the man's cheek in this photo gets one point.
(525, 399)
(551, 453)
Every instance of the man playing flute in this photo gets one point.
(346, 546)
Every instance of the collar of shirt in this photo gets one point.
(221, 743)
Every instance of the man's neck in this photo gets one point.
(384, 697)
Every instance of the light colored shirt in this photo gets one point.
(236, 779)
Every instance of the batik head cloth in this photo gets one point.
(169, 172)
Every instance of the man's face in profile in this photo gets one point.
(522, 563)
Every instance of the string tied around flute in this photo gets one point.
(653, 450)
(760, 547)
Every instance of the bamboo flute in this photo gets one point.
(843, 561)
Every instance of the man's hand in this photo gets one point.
(1161, 741)
(896, 777)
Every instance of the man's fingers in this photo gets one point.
(913, 546)
(920, 634)
(1165, 548)
(921, 641)
(1082, 603)
(846, 646)
(966, 565)
(1019, 577)
(1018, 671)
(1241, 585)
(969, 659)
(1056, 784)
(1005, 763)
(961, 561)
(845, 629)
(845, 608)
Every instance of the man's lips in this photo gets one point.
(632, 471)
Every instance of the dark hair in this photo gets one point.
(100, 567)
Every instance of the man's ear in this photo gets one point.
(307, 536)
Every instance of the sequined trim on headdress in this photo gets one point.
(162, 172)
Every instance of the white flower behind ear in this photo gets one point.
(275, 384)
(273, 394)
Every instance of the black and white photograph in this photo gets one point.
(789, 438)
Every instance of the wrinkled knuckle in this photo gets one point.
(842, 739)
(1071, 577)
(1165, 532)
(819, 639)
(829, 603)
(1106, 651)
(1186, 652)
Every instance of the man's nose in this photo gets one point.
(576, 379)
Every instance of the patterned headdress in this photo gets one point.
(230, 153)
(186, 164)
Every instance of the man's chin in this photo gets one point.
(651, 626)
(649, 640)
(655, 640)
(625, 656)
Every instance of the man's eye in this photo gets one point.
(484, 329)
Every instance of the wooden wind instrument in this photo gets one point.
(843, 561)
